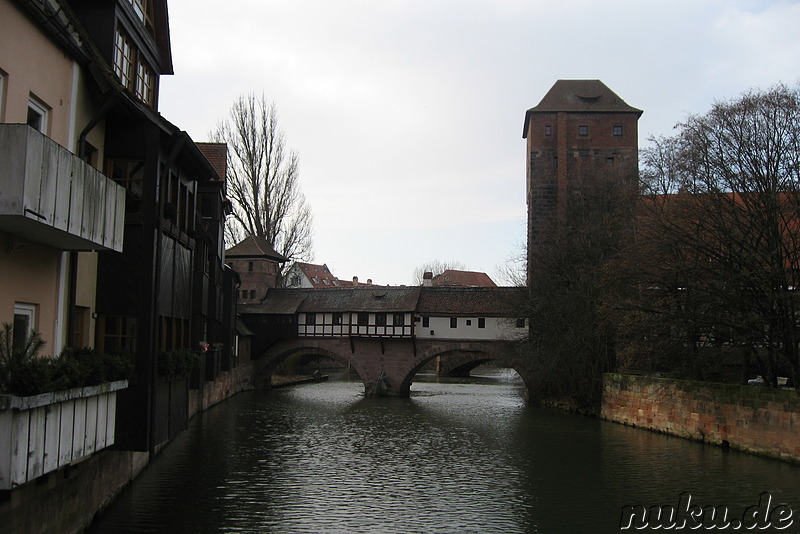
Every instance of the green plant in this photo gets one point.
(16, 355)
(24, 372)
(177, 363)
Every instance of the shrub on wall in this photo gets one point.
(177, 363)
(24, 372)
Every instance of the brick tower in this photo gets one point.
(580, 133)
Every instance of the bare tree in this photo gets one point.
(263, 180)
(717, 253)
(436, 267)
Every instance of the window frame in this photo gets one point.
(3, 81)
(617, 130)
(28, 311)
(38, 106)
(453, 322)
(583, 130)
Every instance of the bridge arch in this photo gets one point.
(386, 367)
(465, 356)
(265, 364)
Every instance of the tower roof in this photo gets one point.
(254, 247)
(581, 96)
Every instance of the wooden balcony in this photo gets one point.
(42, 433)
(50, 196)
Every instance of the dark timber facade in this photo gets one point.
(580, 133)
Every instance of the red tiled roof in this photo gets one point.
(451, 277)
(472, 301)
(217, 156)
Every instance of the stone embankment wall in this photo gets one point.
(227, 384)
(755, 419)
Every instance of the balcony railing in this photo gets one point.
(42, 433)
(50, 196)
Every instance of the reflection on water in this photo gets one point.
(458, 456)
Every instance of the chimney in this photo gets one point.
(369, 281)
(427, 279)
(355, 281)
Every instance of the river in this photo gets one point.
(458, 456)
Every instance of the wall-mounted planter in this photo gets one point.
(41, 433)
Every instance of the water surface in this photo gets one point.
(458, 456)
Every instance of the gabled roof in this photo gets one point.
(581, 96)
(318, 275)
(217, 156)
(254, 247)
(361, 299)
(287, 301)
(461, 301)
(473, 301)
(452, 277)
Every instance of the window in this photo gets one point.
(548, 130)
(469, 322)
(3, 76)
(609, 161)
(363, 318)
(453, 322)
(426, 322)
(520, 323)
(145, 84)
(143, 10)
(337, 318)
(583, 131)
(250, 266)
(129, 173)
(132, 70)
(252, 293)
(118, 333)
(24, 323)
(124, 58)
(399, 319)
(80, 327)
(617, 131)
(380, 319)
(481, 322)
(37, 114)
(311, 318)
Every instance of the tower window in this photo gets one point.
(617, 131)
(609, 161)
(548, 130)
(583, 131)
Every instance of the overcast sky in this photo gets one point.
(407, 114)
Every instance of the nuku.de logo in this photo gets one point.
(687, 515)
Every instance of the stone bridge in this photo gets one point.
(388, 366)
